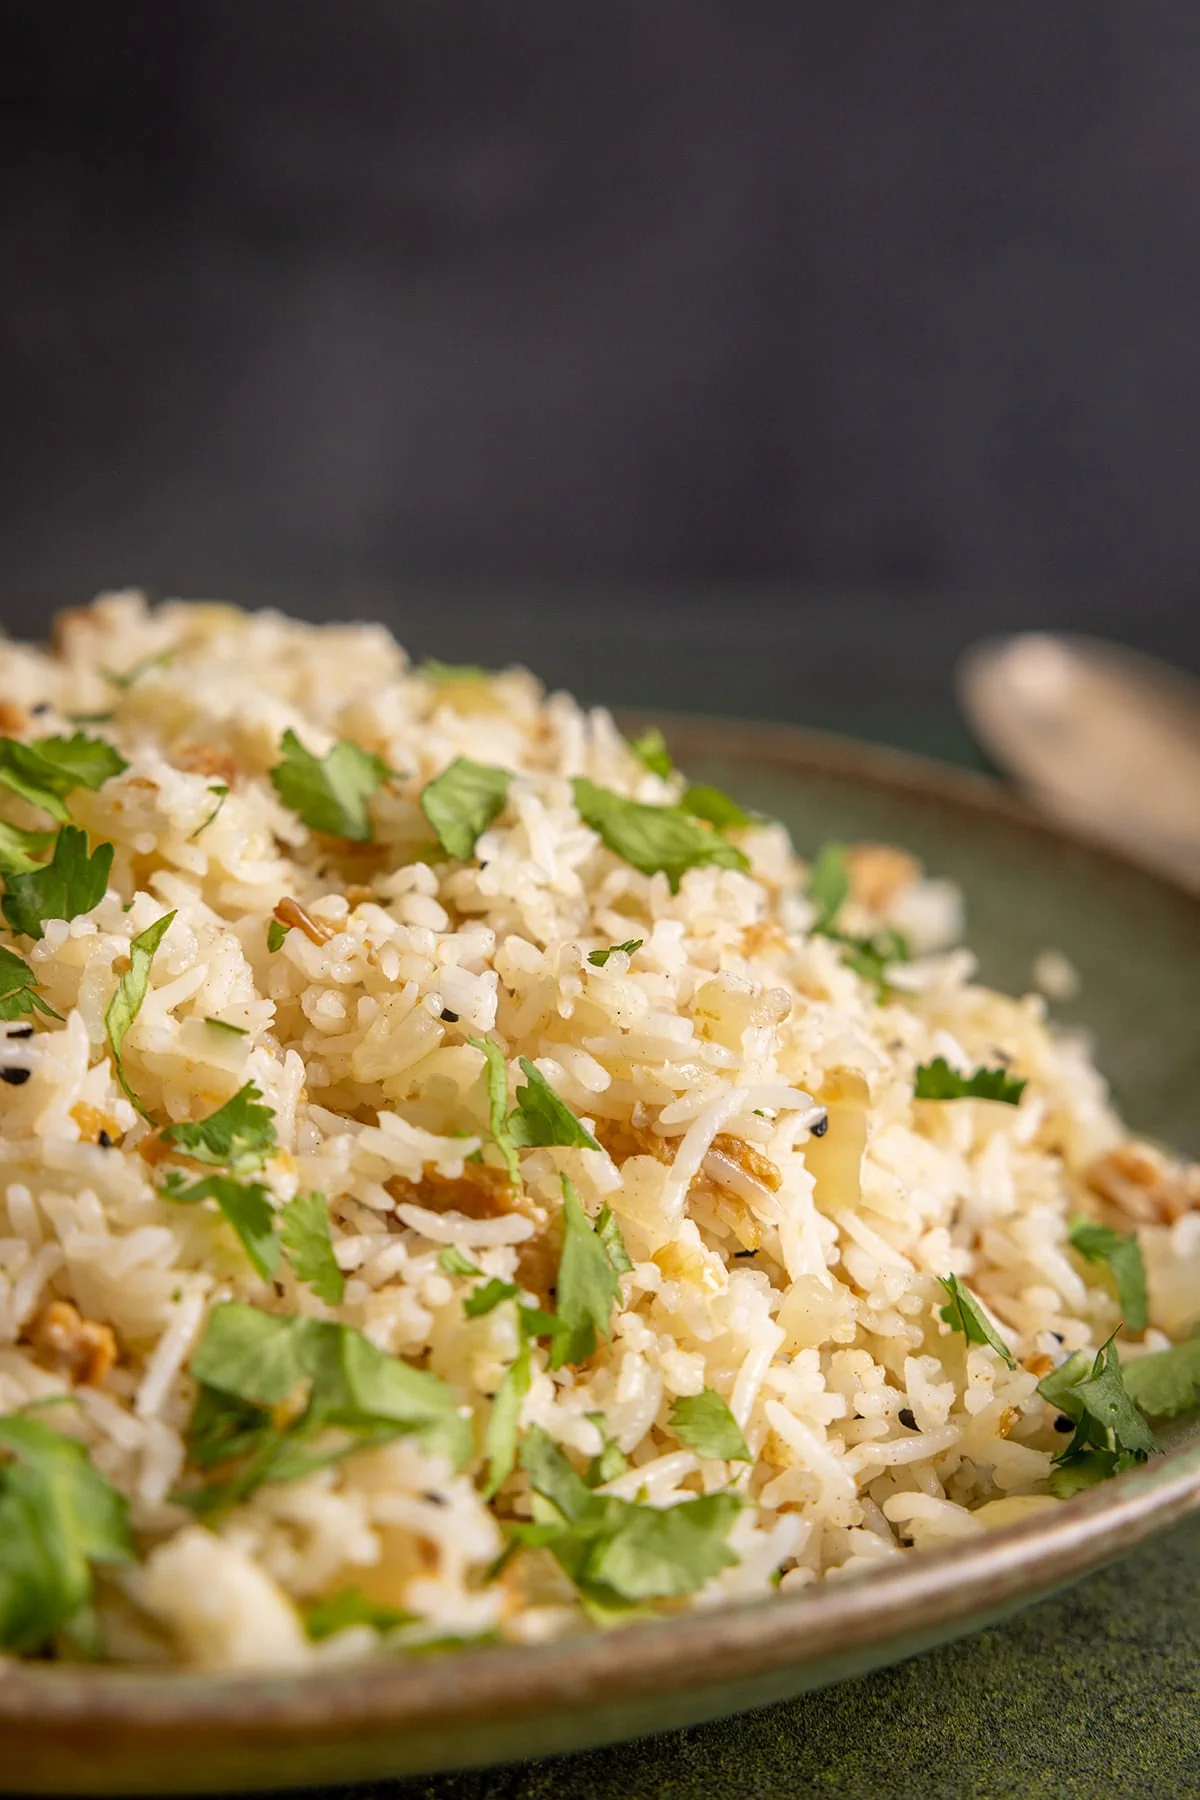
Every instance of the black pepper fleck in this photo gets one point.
(451, 1018)
(1062, 1423)
(821, 1126)
(104, 1140)
(15, 1077)
(43, 706)
(907, 1418)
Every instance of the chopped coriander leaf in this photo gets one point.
(1166, 1382)
(650, 748)
(453, 1262)
(540, 1117)
(39, 782)
(81, 761)
(275, 935)
(587, 1285)
(829, 885)
(250, 1362)
(221, 789)
(239, 1135)
(500, 1434)
(330, 792)
(308, 1244)
(58, 1516)
(351, 1607)
(609, 1233)
(598, 958)
(496, 1074)
(870, 958)
(611, 1460)
(1086, 1468)
(71, 883)
(1056, 1386)
(126, 1003)
(444, 674)
(616, 1551)
(224, 1025)
(704, 1422)
(1106, 1416)
(461, 803)
(20, 849)
(717, 807)
(938, 1081)
(1123, 1257)
(487, 1298)
(653, 838)
(245, 1206)
(136, 670)
(964, 1313)
(91, 718)
(18, 989)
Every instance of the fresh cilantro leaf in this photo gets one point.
(58, 1516)
(500, 1434)
(829, 885)
(90, 718)
(599, 957)
(126, 1003)
(651, 751)
(351, 1607)
(1056, 1386)
(1109, 1419)
(540, 1117)
(609, 1233)
(71, 883)
(587, 1285)
(244, 1204)
(616, 1551)
(716, 806)
(221, 789)
(20, 849)
(653, 838)
(1167, 1382)
(1086, 1468)
(871, 957)
(81, 761)
(249, 1362)
(144, 664)
(496, 1071)
(308, 1243)
(275, 935)
(938, 1081)
(444, 674)
(611, 1461)
(18, 989)
(329, 792)
(1123, 1256)
(239, 1135)
(461, 803)
(34, 779)
(454, 1262)
(224, 1025)
(487, 1298)
(706, 1425)
(964, 1313)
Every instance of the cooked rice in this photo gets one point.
(792, 1273)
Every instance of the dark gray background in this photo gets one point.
(792, 346)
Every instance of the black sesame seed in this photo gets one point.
(821, 1126)
(105, 1142)
(745, 1253)
(451, 1018)
(434, 1498)
(43, 706)
(908, 1418)
(1062, 1423)
(15, 1077)
(22, 1031)
(1058, 1337)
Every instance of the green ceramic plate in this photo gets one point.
(1136, 942)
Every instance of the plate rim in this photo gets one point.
(935, 1592)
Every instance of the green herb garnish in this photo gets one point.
(1110, 1433)
(653, 838)
(80, 761)
(351, 1607)
(275, 935)
(598, 958)
(1123, 1257)
(461, 803)
(444, 674)
(588, 1284)
(71, 883)
(938, 1081)
(135, 670)
(829, 885)
(308, 1242)
(1167, 1382)
(651, 751)
(717, 807)
(329, 792)
(486, 1299)
(58, 1517)
(611, 1461)
(964, 1313)
(454, 1262)
(246, 1207)
(126, 1003)
(541, 1118)
(18, 990)
(239, 1136)
(221, 789)
(224, 1025)
(704, 1422)
(496, 1074)
(20, 850)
